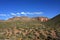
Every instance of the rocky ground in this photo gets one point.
(31, 29)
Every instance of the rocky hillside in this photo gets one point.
(24, 28)
(55, 21)
(20, 19)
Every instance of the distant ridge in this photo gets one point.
(23, 18)
(55, 21)
(56, 17)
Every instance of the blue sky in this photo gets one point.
(30, 8)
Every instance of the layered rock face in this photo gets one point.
(42, 19)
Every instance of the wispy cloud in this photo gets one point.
(10, 15)
(18, 13)
(30, 13)
(26, 13)
(3, 14)
(13, 14)
(22, 13)
(38, 12)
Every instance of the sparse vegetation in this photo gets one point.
(31, 30)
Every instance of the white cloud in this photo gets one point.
(26, 13)
(13, 14)
(3, 15)
(31, 12)
(23, 13)
(38, 12)
(18, 13)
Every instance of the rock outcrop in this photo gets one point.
(42, 19)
